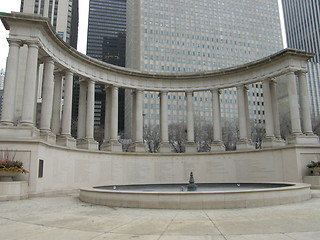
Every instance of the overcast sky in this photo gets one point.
(14, 5)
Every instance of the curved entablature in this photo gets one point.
(28, 27)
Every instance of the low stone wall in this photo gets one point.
(70, 169)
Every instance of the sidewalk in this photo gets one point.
(67, 218)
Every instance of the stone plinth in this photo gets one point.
(314, 181)
(113, 146)
(217, 146)
(303, 139)
(14, 190)
(245, 144)
(87, 144)
(18, 132)
(272, 142)
(66, 140)
(191, 147)
(48, 136)
(164, 147)
(137, 147)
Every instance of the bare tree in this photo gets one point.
(178, 136)
(258, 133)
(203, 137)
(316, 125)
(230, 135)
(151, 136)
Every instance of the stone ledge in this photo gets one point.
(314, 181)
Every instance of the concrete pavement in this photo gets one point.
(66, 217)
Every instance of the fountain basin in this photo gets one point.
(208, 195)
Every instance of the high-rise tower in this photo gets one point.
(183, 36)
(302, 22)
(63, 15)
(107, 42)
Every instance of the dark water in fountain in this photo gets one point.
(201, 187)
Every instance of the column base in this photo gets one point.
(245, 144)
(48, 136)
(191, 147)
(19, 132)
(112, 146)
(89, 144)
(270, 142)
(217, 146)
(164, 147)
(303, 139)
(137, 147)
(66, 141)
(6, 123)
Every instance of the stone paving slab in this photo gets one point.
(66, 217)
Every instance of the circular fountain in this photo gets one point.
(197, 196)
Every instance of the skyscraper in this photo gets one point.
(302, 22)
(63, 15)
(107, 42)
(183, 36)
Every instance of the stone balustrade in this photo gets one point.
(61, 63)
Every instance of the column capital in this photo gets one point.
(215, 90)
(189, 92)
(302, 72)
(13, 41)
(47, 59)
(32, 43)
(163, 93)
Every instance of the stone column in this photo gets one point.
(47, 100)
(270, 102)
(90, 110)
(190, 144)
(275, 109)
(244, 142)
(217, 144)
(46, 8)
(9, 94)
(81, 129)
(308, 137)
(305, 103)
(88, 142)
(268, 109)
(56, 106)
(164, 134)
(65, 139)
(139, 145)
(30, 86)
(293, 104)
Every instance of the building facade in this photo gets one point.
(63, 15)
(302, 22)
(107, 42)
(196, 36)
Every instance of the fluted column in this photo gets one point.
(305, 103)
(30, 86)
(81, 129)
(294, 104)
(217, 144)
(56, 106)
(9, 95)
(275, 109)
(190, 145)
(67, 105)
(164, 134)
(244, 142)
(47, 95)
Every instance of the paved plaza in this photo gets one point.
(66, 217)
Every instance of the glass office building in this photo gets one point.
(302, 22)
(183, 36)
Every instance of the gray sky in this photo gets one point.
(14, 5)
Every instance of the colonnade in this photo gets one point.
(55, 124)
